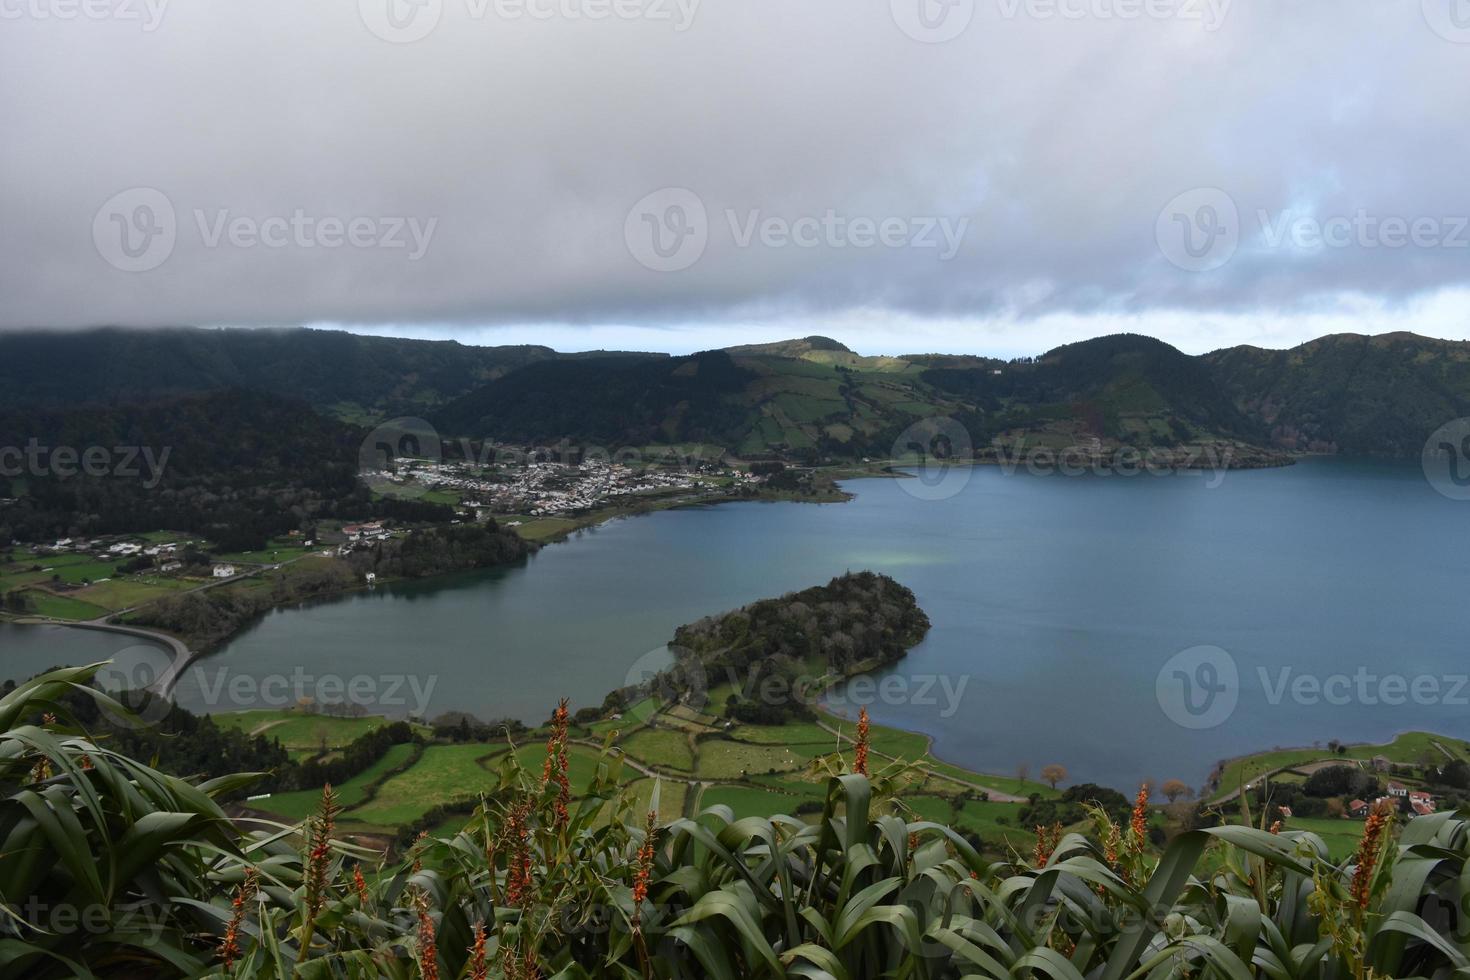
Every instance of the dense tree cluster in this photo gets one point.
(1349, 393)
(235, 467)
(182, 743)
(778, 652)
(1071, 806)
(436, 550)
(856, 619)
(1099, 381)
(207, 618)
(334, 371)
(613, 401)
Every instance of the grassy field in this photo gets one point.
(756, 770)
(278, 551)
(63, 607)
(994, 822)
(724, 759)
(124, 593)
(1340, 836)
(660, 747)
(297, 805)
(1005, 784)
(791, 733)
(443, 773)
(671, 797)
(748, 801)
(539, 529)
(1408, 747)
(298, 731)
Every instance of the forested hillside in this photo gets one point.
(1349, 393)
(809, 399)
(346, 374)
(234, 466)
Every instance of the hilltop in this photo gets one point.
(1349, 393)
(345, 375)
(810, 399)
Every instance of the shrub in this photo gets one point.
(540, 884)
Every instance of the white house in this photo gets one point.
(224, 571)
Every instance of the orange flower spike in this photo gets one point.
(643, 871)
(428, 944)
(360, 884)
(518, 860)
(1044, 846)
(558, 762)
(319, 857)
(229, 947)
(479, 967)
(1139, 823)
(1375, 829)
(860, 757)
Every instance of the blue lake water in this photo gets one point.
(1056, 601)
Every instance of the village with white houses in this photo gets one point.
(85, 578)
(1409, 802)
(542, 488)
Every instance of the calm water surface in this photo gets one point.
(1055, 601)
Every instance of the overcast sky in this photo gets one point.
(995, 176)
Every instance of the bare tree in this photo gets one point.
(1174, 789)
(1053, 774)
(1023, 771)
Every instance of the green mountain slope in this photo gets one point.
(809, 398)
(1349, 393)
(1123, 389)
(347, 375)
(813, 398)
(747, 403)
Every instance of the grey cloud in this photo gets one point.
(527, 139)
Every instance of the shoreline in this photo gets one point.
(886, 469)
(1210, 793)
